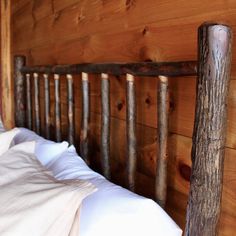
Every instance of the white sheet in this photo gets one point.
(112, 210)
(32, 202)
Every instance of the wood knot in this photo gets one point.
(129, 4)
(148, 101)
(120, 105)
(185, 171)
(145, 30)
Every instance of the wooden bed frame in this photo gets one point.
(213, 70)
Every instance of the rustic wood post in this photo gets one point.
(7, 87)
(163, 115)
(20, 93)
(85, 121)
(71, 108)
(105, 127)
(47, 105)
(29, 106)
(36, 103)
(209, 129)
(57, 107)
(131, 130)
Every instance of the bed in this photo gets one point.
(213, 71)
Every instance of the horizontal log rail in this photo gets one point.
(182, 68)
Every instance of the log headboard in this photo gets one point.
(213, 71)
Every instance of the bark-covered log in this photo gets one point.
(85, 121)
(36, 103)
(209, 130)
(71, 109)
(20, 100)
(181, 68)
(105, 127)
(47, 105)
(29, 105)
(131, 131)
(163, 113)
(57, 107)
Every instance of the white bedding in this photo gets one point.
(32, 201)
(112, 210)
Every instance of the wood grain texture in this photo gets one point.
(20, 93)
(163, 119)
(57, 107)
(105, 127)
(37, 127)
(131, 131)
(77, 32)
(209, 130)
(85, 121)
(6, 64)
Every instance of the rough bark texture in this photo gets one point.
(20, 100)
(105, 128)
(163, 113)
(182, 68)
(47, 105)
(57, 107)
(131, 132)
(84, 135)
(29, 106)
(209, 130)
(71, 109)
(36, 103)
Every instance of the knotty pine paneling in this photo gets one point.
(76, 31)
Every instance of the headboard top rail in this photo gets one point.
(182, 68)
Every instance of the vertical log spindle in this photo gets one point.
(29, 106)
(84, 135)
(215, 44)
(163, 112)
(36, 103)
(105, 128)
(57, 107)
(20, 99)
(70, 101)
(47, 105)
(131, 130)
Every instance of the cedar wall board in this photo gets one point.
(76, 31)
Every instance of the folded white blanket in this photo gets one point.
(32, 202)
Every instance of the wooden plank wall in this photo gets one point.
(74, 31)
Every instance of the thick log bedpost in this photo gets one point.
(20, 93)
(209, 130)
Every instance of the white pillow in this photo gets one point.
(112, 210)
(6, 139)
(73, 167)
(45, 150)
(33, 202)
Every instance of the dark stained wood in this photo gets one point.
(28, 102)
(57, 107)
(131, 131)
(47, 105)
(105, 127)
(163, 115)
(20, 101)
(84, 134)
(70, 101)
(36, 103)
(215, 42)
(183, 68)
